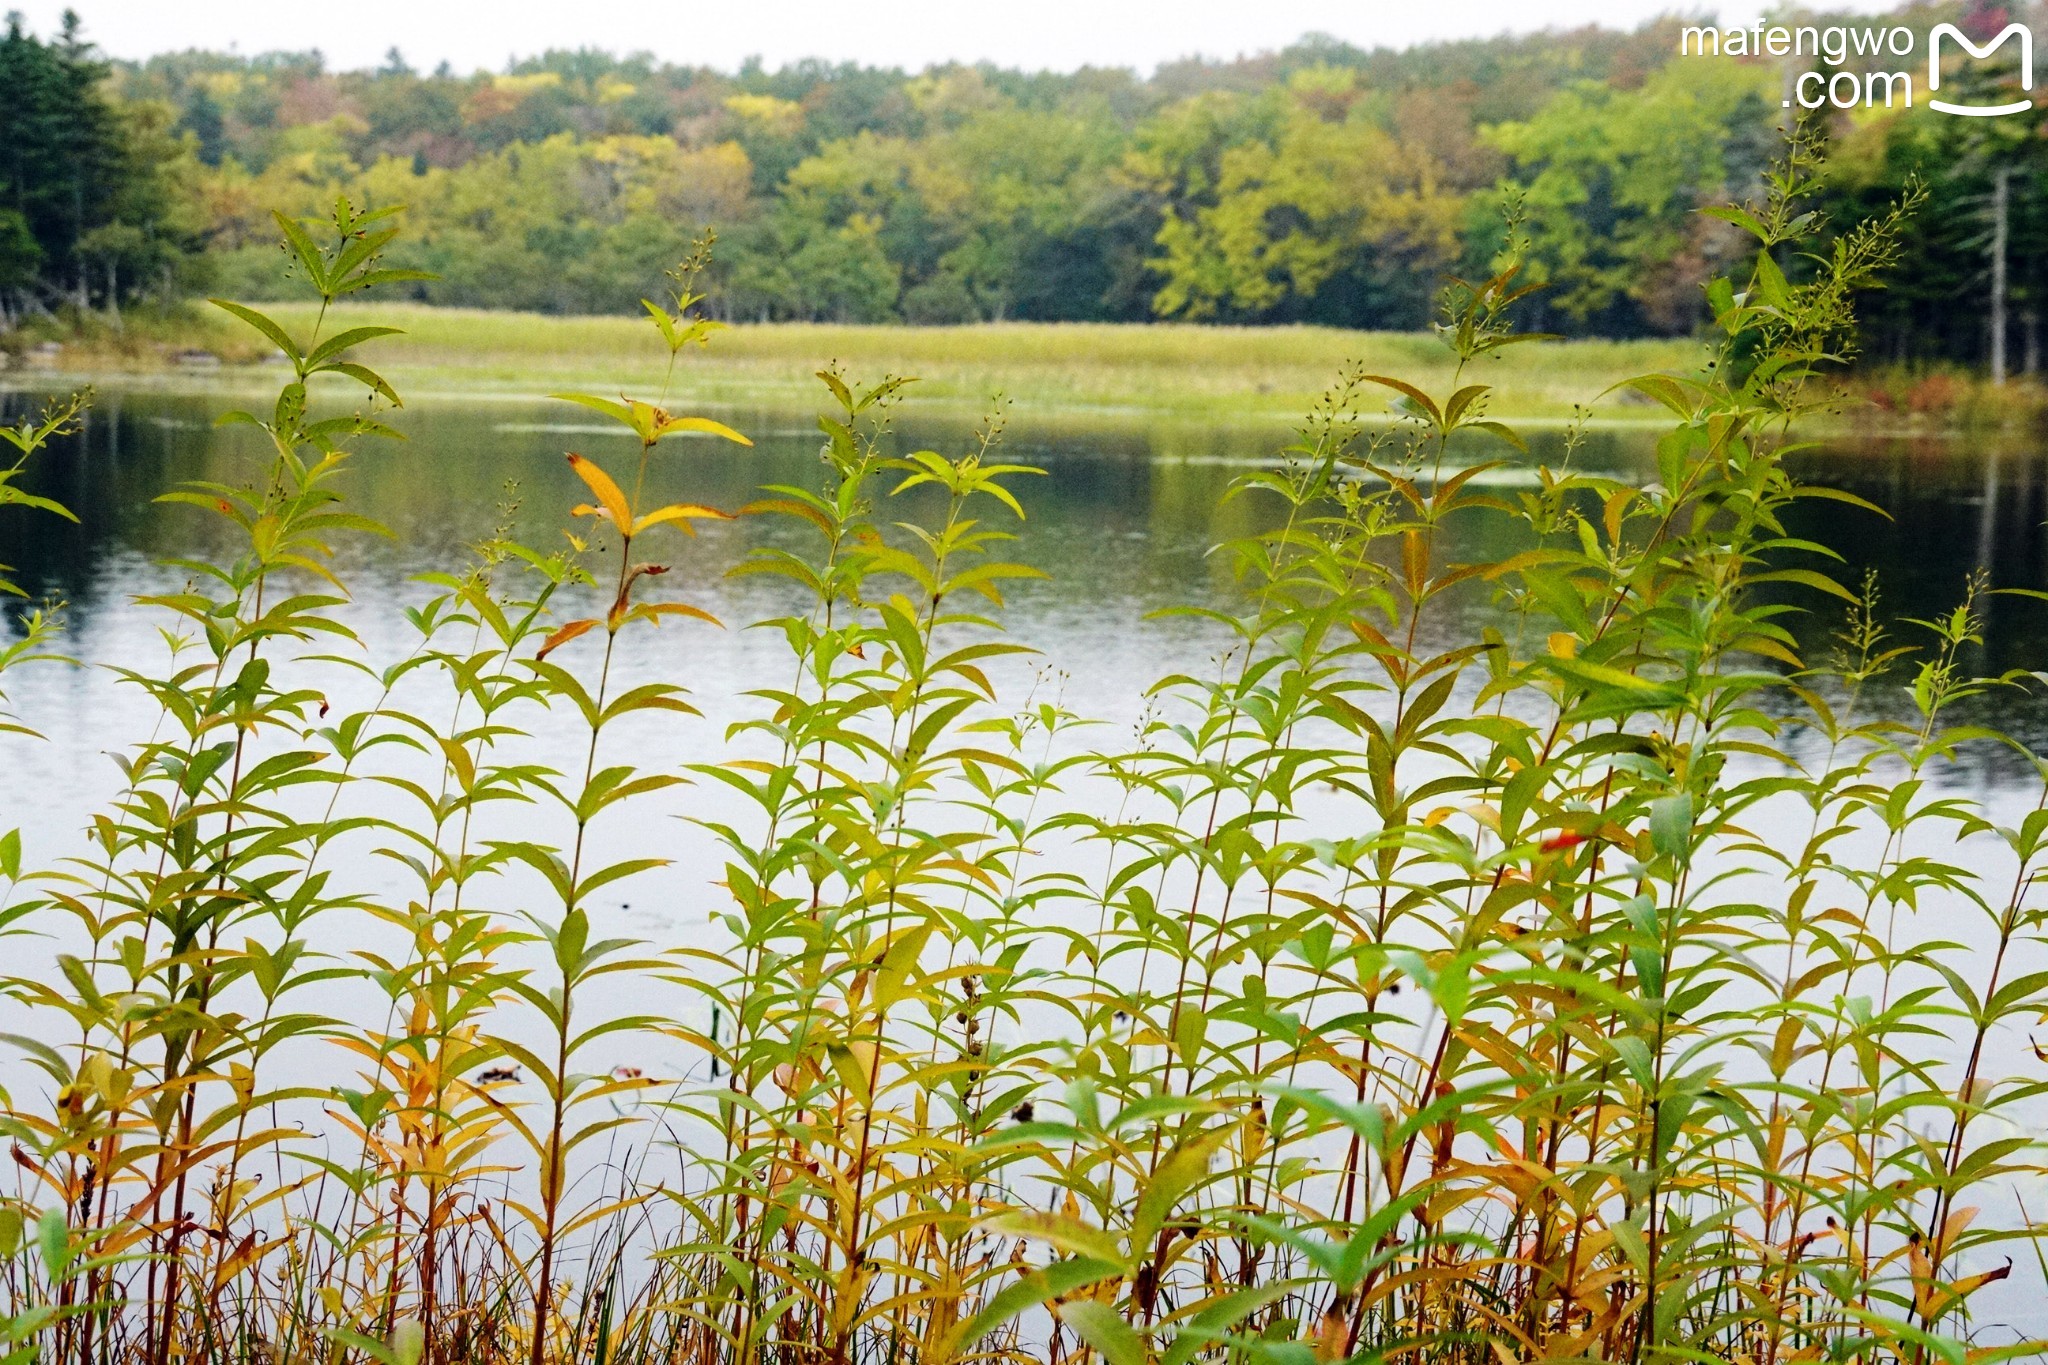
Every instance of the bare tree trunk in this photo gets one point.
(2000, 196)
(2030, 341)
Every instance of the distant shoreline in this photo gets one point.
(1158, 369)
(1046, 371)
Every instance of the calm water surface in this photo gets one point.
(1122, 523)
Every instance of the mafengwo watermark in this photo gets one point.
(1865, 47)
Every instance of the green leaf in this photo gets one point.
(264, 325)
(1671, 825)
(370, 278)
(575, 932)
(701, 425)
(1061, 1277)
(1673, 393)
(618, 412)
(1499, 431)
(1180, 1172)
(1741, 217)
(303, 247)
(1216, 1319)
(367, 377)
(342, 341)
(408, 1341)
(1720, 296)
(1104, 1328)
(1629, 1238)
(1770, 282)
(53, 1242)
(1070, 1235)
(1807, 578)
(853, 1072)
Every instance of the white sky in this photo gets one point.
(1033, 34)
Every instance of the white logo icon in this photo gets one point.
(2026, 38)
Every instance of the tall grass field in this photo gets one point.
(1232, 374)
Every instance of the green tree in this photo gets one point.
(1612, 179)
(1945, 249)
(59, 145)
(202, 118)
(97, 198)
(1300, 197)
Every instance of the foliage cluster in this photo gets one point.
(1606, 982)
(1322, 184)
(93, 205)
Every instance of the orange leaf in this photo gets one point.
(656, 610)
(563, 636)
(1921, 1267)
(243, 1256)
(608, 494)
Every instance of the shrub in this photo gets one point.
(1552, 989)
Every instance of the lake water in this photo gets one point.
(1122, 522)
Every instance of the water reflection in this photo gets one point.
(1123, 522)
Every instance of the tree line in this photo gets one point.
(99, 199)
(1323, 183)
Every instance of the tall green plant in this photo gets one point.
(1549, 956)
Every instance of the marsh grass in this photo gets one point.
(1613, 984)
(1211, 373)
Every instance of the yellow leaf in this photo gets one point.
(1970, 1284)
(1921, 1268)
(682, 513)
(667, 424)
(608, 494)
(1564, 644)
(656, 610)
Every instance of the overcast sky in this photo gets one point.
(1034, 34)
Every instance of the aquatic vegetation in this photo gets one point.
(1617, 984)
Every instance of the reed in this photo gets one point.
(1624, 978)
(1170, 371)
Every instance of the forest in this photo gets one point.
(1323, 183)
